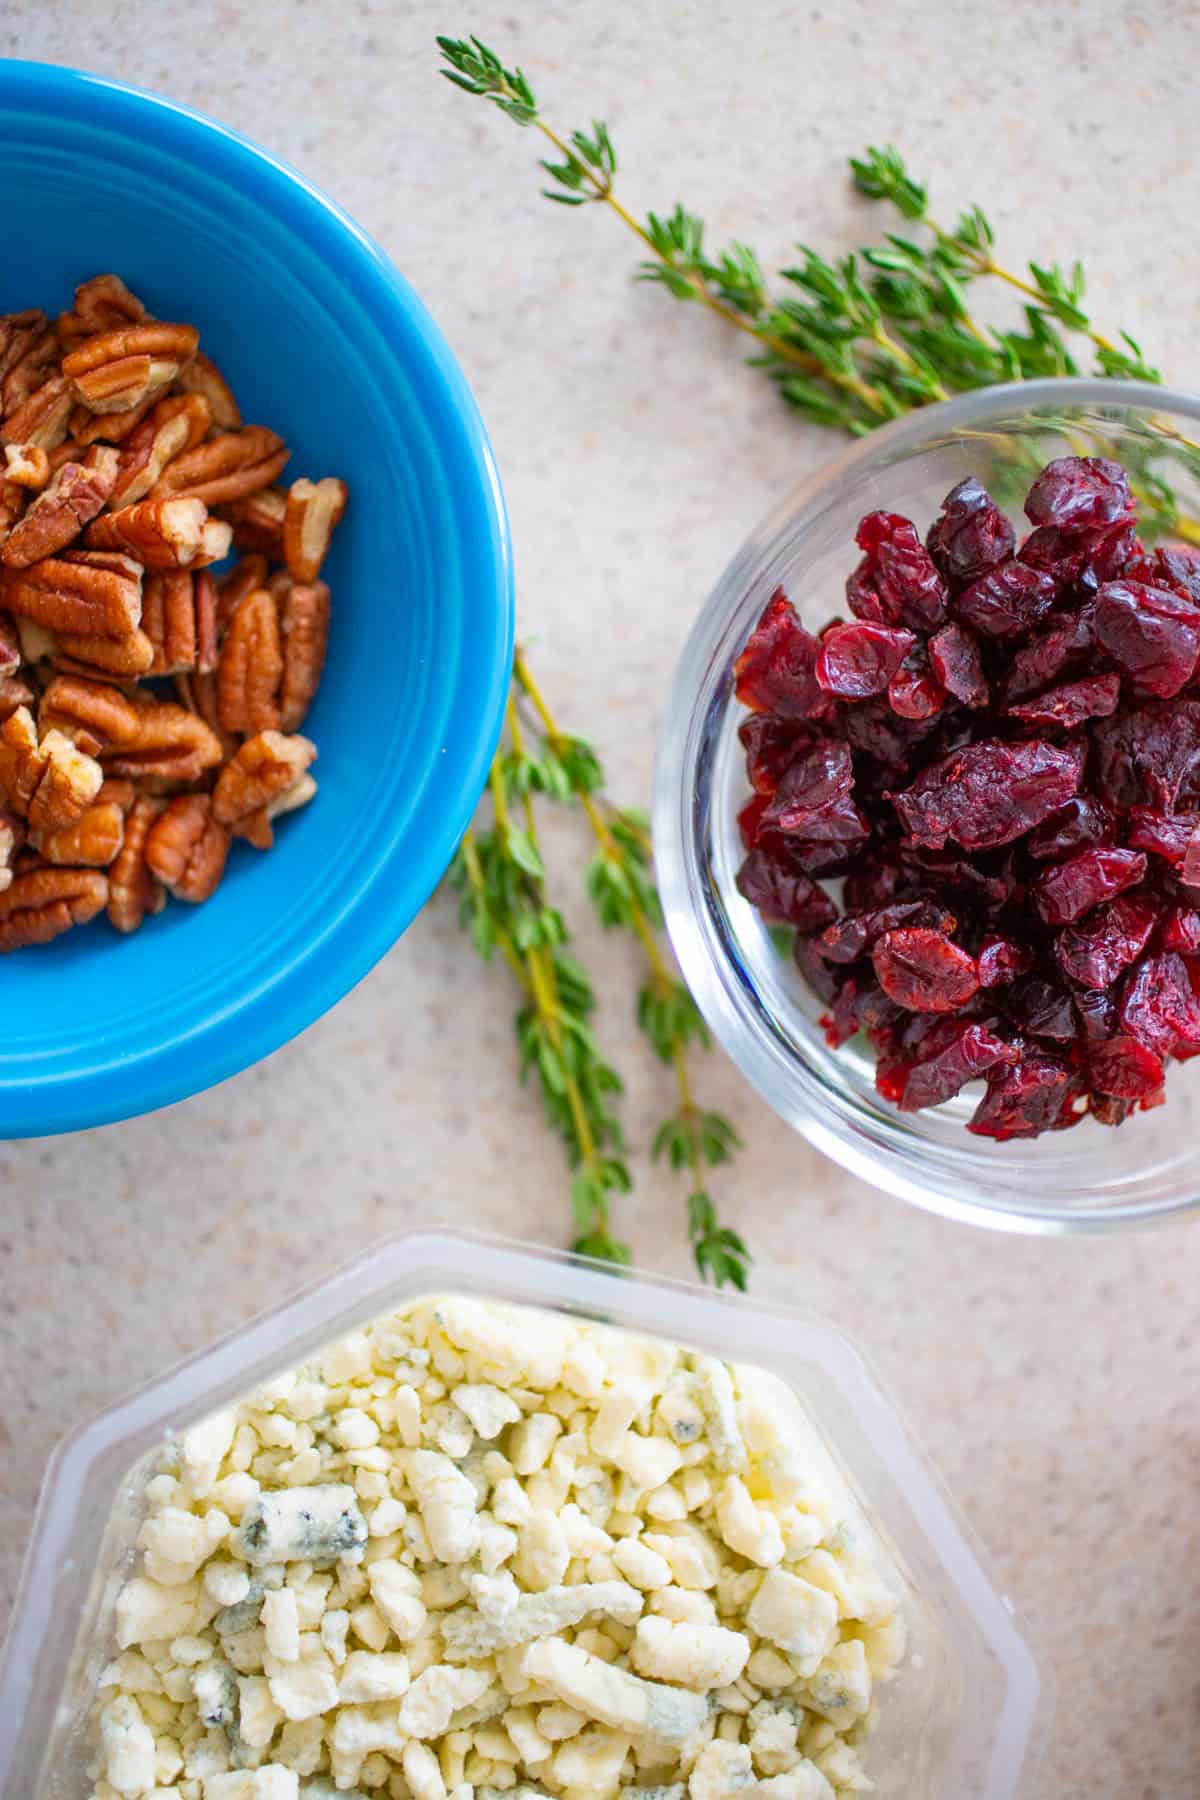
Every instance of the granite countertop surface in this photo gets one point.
(1053, 1383)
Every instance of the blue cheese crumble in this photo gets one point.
(478, 1552)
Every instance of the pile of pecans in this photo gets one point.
(149, 712)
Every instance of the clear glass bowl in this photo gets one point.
(966, 1717)
(751, 994)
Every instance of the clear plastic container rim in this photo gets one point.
(692, 715)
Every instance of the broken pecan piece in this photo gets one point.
(172, 745)
(74, 496)
(133, 892)
(116, 370)
(27, 465)
(47, 783)
(111, 428)
(258, 521)
(162, 534)
(41, 903)
(19, 332)
(97, 834)
(85, 594)
(102, 304)
(304, 635)
(12, 504)
(12, 836)
(186, 848)
(226, 467)
(170, 427)
(95, 716)
(251, 666)
(314, 509)
(202, 376)
(10, 647)
(266, 777)
(14, 693)
(32, 356)
(179, 616)
(42, 419)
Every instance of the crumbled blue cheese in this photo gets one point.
(480, 1553)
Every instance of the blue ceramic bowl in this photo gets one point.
(322, 340)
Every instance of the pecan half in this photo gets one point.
(102, 304)
(112, 427)
(103, 659)
(95, 716)
(266, 777)
(162, 534)
(81, 593)
(27, 465)
(186, 848)
(215, 541)
(249, 574)
(227, 467)
(118, 369)
(304, 634)
(133, 892)
(314, 509)
(42, 903)
(12, 504)
(96, 836)
(258, 521)
(42, 419)
(14, 693)
(47, 783)
(251, 666)
(202, 376)
(10, 647)
(170, 427)
(19, 332)
(198, 692)
(172, 744)
(179, 616)
(75, 495)
(31, 356)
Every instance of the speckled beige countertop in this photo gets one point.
(1054, 1384)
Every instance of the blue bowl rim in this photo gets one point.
(262, 1021)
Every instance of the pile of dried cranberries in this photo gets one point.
(1000, 754)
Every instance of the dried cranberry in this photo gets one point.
(1151, 632)
(1080, 492)
(986, 883)
(874, 886)
(955, 660)
(854, 933)
(770, 744)
(971, 1050)
(897, 580)
(889, 741)
(922, 970)
(1078, 560)
(915, 694)
(1026, 1096)
(821, 976)
(1078, 825)
(750, 822)
(1042, 660)
(1094, 697)
(1007, 602)
(820, 774)
(857, 661)
(1069, 889)
(1178, 567)
(783, 894)
(987, 794)
(970, 535)
(1124, 1068)
(1158, 1006)
(1096, 951)
(1147, 755)
(1001, 960)
(876, 1013)
(775, 671)
(1108, 1111)
(1181, 930)
(1042, 1009)
(1097, 1009)
(841, 1024)
(1166, 834)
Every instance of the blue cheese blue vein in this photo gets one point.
(468, 1635)
(302, 1524)
(614, 1696)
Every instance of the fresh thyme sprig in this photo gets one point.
(621, 886)
(860, 339)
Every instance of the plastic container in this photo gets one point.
(752, 996)
(961, 1721)
(323, 340)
